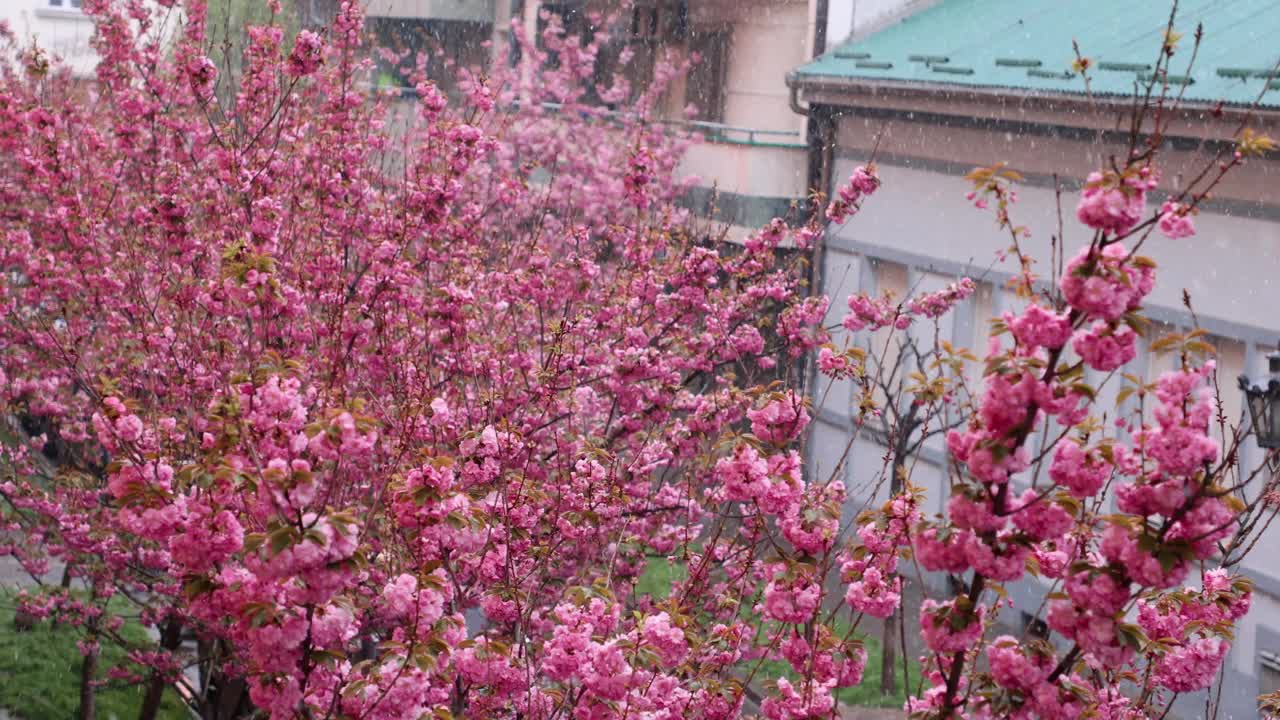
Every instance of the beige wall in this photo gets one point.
(759, 171)
(473, 10)
(769, 40)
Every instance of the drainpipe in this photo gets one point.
(820, 139)
(822, 146)
(530, 17)
(821, 9)
(501, 28)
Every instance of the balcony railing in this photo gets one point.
(755, 137)
(720, 132)
(713, 131)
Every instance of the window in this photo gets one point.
(446, 45)
(704, 87)
(65, 4)
(656, 27)
(659, 22)
(1034, 626)
(1269, 672)
(646, 33)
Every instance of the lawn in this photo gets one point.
(40, 673)
(659, 576)
(40, 668)
(865, 694)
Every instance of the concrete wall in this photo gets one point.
(471, 10)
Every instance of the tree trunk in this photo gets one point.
(65, 584)
(89, 663)
(170, 639)
(204, 651)
(889, 654)
(88, 671)
(233, 698)
(889, 640)
(223, 697)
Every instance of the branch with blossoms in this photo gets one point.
(1175, 506)
(1172, 482)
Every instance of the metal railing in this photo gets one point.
(727, 133)
(717, 132)
(712, 131)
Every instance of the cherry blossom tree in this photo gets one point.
(391, 404)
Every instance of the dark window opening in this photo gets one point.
(705, 86)
(446, 45)
(1034, 626)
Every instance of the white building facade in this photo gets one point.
(926, 130)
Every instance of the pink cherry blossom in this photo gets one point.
(1175, 220)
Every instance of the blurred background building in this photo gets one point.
(753, 165)
(59, 26)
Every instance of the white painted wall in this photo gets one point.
(1230, 267)
(757, 171)
(471, 10)
(846, 18)
(62, 31)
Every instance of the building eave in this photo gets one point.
(1194, 118)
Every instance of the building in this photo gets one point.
(753, 163)
(58, 26)
(967, 83)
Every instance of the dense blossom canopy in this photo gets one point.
(393, 403)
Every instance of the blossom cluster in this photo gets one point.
(862, 183)
(1114, 202)
(871, 313)
(1164, 472)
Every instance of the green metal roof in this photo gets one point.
(1025, 45)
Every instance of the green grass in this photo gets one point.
(40, 673)
(865, 694)
(659, 576)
